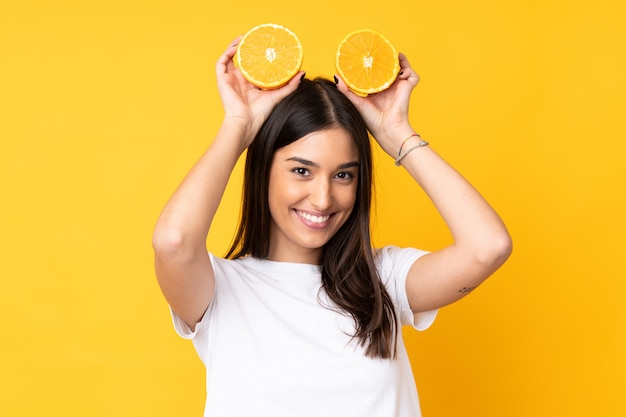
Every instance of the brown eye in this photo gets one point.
(344, 175)
(300, 171)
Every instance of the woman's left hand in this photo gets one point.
(387, 113)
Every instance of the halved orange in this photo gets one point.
(269, 55)
(367, 62)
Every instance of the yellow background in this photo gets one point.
(104, 105)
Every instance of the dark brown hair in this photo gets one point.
(349, 275)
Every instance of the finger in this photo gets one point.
(295, 80)
(404, 61)
(343, 87)
(232, 48)
(406, 72)
(235, 41)
(227, 55)
(290, 87)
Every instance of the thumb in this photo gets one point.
(291, 86)
(351, 95)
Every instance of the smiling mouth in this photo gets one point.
(313, 219)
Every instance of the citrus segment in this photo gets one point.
(367, 62)
(269, 55)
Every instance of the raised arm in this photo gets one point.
(182, 264)
(481, 241)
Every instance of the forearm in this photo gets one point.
(474, 225)
(186, 218)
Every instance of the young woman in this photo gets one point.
(303, 317)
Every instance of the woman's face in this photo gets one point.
(312, 189)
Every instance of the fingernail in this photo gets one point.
(336, 80)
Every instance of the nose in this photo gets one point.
(320, 194)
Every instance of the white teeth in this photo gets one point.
(314, 219)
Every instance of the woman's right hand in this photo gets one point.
(245, 104)
(182, 263)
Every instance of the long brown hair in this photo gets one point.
(349, 275)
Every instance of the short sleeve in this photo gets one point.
(183, 330)
(394, 264)
(198, 336)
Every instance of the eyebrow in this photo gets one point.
(316, 165)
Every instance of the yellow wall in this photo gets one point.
(104, 105)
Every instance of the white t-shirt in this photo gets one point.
(272, 347)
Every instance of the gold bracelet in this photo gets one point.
(421, 143)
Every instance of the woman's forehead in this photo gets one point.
(322, 145)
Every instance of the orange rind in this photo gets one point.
(269, 55)
(367, 62)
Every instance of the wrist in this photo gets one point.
(238, 132)
(242, 126)
(410, 144)
(391, 139)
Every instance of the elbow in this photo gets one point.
(171, 244)
(496, 250)
(167, 241)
